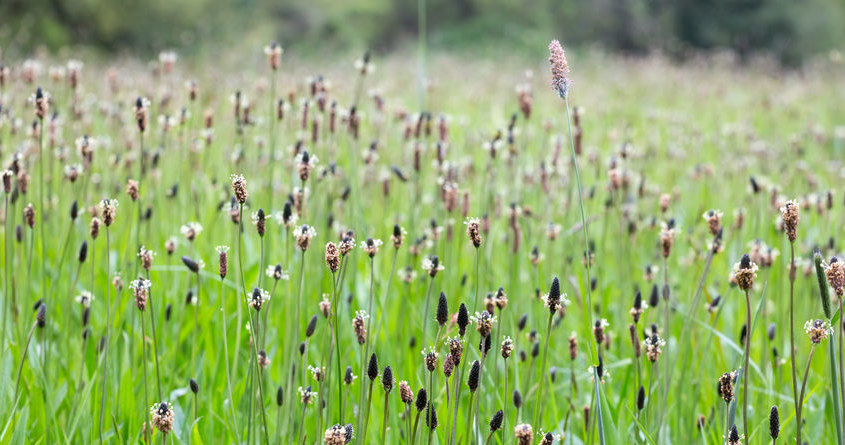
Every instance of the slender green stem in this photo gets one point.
(107, 340)
(542, 371)
(226, 362)
(804, 382)
(588, 319)
(746, 374)
(792, 344)
(23, 360)
(144, 408)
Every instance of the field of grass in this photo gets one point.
(94, 342)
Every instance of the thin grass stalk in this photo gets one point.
(144, 409)
(841, 374)
(226, 363)
(792, 342)
(155, 342)
(426, 310)
(470, 417)
(337, 346)
(107, 340)
(727, 423)
(745, 367)
(588, 320)
(804, 382)
(542, 371)
(23, 360)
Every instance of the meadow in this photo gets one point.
(268, 248)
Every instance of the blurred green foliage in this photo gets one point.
(787, 29)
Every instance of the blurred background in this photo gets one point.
(790, 31)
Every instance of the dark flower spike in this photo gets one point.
(442, 310)
(191, 264)
(496, 421)
(372, 369)
(474, 374)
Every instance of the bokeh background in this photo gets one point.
(788, 31)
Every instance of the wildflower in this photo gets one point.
(85, 298)
(789, 215)
(363, 65)
(726, 386)
(239, 188)
(347, 243)
(507, 347)
(524, 434)
(191, 230)
(430, 355)
(140, 290)
(162, 417)
(714, 221)
(535, 256)
(484, 323)
(554, 300)
(258, 218)
(276, 272)
(371, 246)
(473, 231)
(332, 257)
(667, 237)
(146, 257)
(325, 306)
(303, 236)
(818, 330)
(286, 218)
(259, 297)
(108, 209)
(835, 272)
(317, 373)
(560, 69)
(274, 58)
(405, 393)
(142, 104)
(29, 215)
(398, 236)
(599, 330)
(652, 347)
(358, 326)
(638, 308)
(338, 435)
(41, 103)
(223, 260)
(407, 274)
(774, 423)
(734, 438)
(432, 265)
(306, 396)
(744, 273)
(348, 376)
(306, 162)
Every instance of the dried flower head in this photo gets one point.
(370, 246)
(560, 69)
(432, 265)
(258, 298)
(108, 210)
(473, 231)
(507, 347)
(524, 434)
(398, 236)
(303, 236)
(744, 273)
(40, 103)
(359, 326)
(789, 215)
(726, 386)
(835, 272)
(223, 260)
(132, 189)
(818, 330)
(239, 188)
(162, 416)
(653, 346)
(140, 290)
(191, 230)
(332, 257)
(274, 58)
(306, 396)
(430, 355)
(714, 221)
(146, 256)
(483, 323)
(405, 393)
(667, 237)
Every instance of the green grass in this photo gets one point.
(696, 131)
